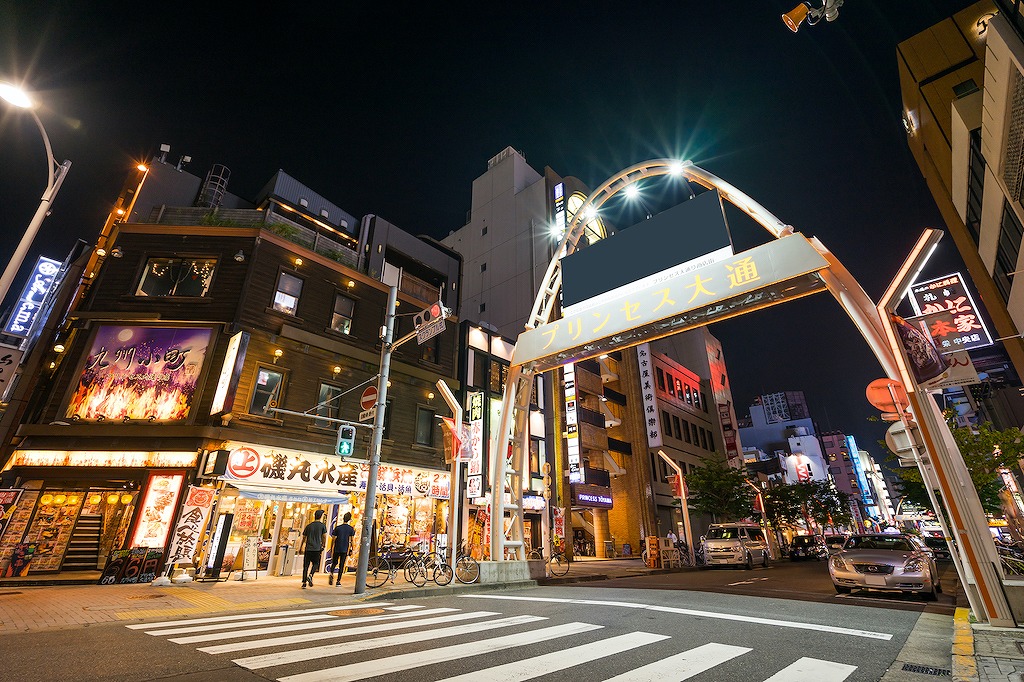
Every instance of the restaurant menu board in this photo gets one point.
(17, 524)
(130, 566)
(8, 503)
(52, 526)
(157, 510)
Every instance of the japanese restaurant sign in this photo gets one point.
(32, 296)
(651, 424)
(309, 473)
(140, 373)
(156, 513)
(188, 530)
(949, 294)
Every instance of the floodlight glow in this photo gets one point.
(590, 213)
(632, 191)
(15, 95)
(676, 168)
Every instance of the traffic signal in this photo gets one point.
(430, 314)
(346, 440)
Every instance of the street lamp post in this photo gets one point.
(55, 176)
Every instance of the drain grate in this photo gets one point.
(145, 596)
(356, 612)
(927, 670)
(9, 593)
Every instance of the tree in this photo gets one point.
(986, 451)
(720, 491)
(782, 505)
(816, 501)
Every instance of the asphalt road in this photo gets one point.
(632, 629)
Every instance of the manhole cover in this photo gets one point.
(357, 612)
(927, 670)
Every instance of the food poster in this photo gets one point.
(21, 560)
(8, 503)
(477, 543)
(159, 503)
(18, 523)
(395, 520)
(51, 528)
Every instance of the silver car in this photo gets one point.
(884, 562)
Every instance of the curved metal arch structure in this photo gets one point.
(512, 436)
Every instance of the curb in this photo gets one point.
(965, 667)
(448, 590)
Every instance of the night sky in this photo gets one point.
(395, 113)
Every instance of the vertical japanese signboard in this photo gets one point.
(8, 503)
(31, 300)
(189, 529)
(572, 425)
(643, 356)
(474, 481)
(949, 294)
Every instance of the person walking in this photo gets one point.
(342, 547)
(314, 538)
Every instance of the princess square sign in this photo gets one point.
(949, 294)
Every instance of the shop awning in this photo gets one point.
(290, 494)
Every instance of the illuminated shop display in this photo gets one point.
(140, 373)
(91, 458)
(157, 510)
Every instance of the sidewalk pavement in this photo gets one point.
(938, 646)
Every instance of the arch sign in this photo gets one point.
(702, 290)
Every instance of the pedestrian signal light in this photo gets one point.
(346, 440)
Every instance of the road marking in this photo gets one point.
(683, 666)
(559, 660)
(220, 619)
(749, 581)
(283, 657)
(693, 612)
(347, 631)
(417, 659)
(813, 669)
(244, 624)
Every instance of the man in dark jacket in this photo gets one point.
(342, 546)
(314, 538)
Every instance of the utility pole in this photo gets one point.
(369, 507)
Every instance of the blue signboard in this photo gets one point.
(862, 479)
(32, 296)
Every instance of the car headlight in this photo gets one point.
(838, 563)
(913, 565)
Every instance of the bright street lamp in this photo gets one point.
(55, 176)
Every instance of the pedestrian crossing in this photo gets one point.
(327, 644)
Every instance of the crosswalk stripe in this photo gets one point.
(692, 612)
(221, 619)
(559, 660)
(349, 632)
(813, 669)
(416, 659)
(240, 624)
(284, 657)
(684, 665)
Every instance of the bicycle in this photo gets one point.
(438, 570)
(558, 565)
(467, 569)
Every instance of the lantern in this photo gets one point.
(46, 500)
(112, 498)
(95, 498)
(60, 499)
(126, 498)
(73, 499)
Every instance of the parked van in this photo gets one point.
(736, 544)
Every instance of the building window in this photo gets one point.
(266, 393)
(327, 405)
(483, 230)
(711, 441)
(975, 186)
(344, 311)
(689, 396)
(483, 267)
(703, 402)
(696, 436)
(483, 307)
(666, 422)
(497, 377)
(704, 439)
(686, 431)
(177, 277)
(675, 428)
(480, 370)
(660, 378)
(286, 297)
(671, 384)
(424, 426)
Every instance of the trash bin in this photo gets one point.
(285, 560)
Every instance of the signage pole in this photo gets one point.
(378, 435)
(454, 486)
(690, 540)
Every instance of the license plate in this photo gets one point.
(875, 580)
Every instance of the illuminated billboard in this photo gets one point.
(140, 373)
(949, 294)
